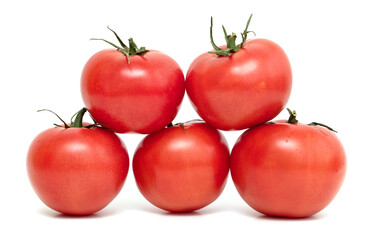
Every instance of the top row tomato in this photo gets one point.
(233, 87)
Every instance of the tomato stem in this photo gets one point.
(211, 37)
(177, 124)
(292, 118)
(118, 38)
(76, 120)
(182, 125)
(322, 125)
(230, 39)
(64, 123)
(127, 51)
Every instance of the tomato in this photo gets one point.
(77, 170)
(234, 88)
(288, 169)
(182, 168)
(132, 90)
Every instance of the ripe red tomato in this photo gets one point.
(182, 170)
(287, 169)
(132, 93)
(77, 170)
(241, 87)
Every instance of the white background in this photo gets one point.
(44, 46)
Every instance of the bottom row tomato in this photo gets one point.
(77, 169)
(182, 168)
(280, 168)
(288, 169)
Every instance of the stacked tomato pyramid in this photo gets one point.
(280, 168)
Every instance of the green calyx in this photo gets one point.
(322, 125)
(230, 39)
(292, 120)
(76, 120)
(177, 124)
(127, 51)
(183, 123)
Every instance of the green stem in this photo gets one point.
(177, 124)
(127, 51)
(322, 125)
(245, 32)
(77, 123)
(292, 118)
(64, 123)
(112, 44)
(230, 40)
(182, 125)
(211, 36)
(118, 38)
(76, 120)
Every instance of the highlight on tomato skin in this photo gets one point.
(77, 168)
(182, 168)
(288, 169)
(238, 86)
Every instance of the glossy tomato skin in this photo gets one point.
(142, 96)
(250, 87)
(182, 170)
(288, 170)
(77, 171)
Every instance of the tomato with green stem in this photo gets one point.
(132, 89)
(238, 86)
(288, 169)
(77, 168)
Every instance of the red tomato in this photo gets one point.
(288, 170)
(141, 96)
(235, 92)
(77, 170)
(182, 170)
